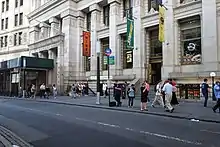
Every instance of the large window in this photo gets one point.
(127, 7)
(19, 38)
(2, 41)
(104, 45)
(127, 54)
(16, 20)
(88, 22)
(6, 23)
(87, 61)
(191, 40)
(21, 19)
(21, 2)
(16, 3)
(155, 44)
(7, 5)
(6, 41)
(3, 6)
(2, 25)
(106, 11)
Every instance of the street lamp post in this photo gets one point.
(212, 75)
(98, 73)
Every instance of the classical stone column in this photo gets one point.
(95, 24)
(41, 55)
(209, 36)
(139, 35)
(114, 38)
(55, 26)
(44, 31)
(69, 28)
(169, 45)
(60, 68)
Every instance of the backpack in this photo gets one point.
(131, 92)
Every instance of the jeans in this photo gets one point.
(217, 105)
(130, 101)
(206, 99)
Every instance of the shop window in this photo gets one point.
(106, 12)
(3, 6)
(104, 45)
(6, 41)
(127, 55)
(155, 45)
(127, 8)
(190, 34)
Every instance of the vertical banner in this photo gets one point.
(161, 23)
(86, 44)
(130, 34)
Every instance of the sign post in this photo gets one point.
(108, 52)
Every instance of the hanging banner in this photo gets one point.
(86, 44)
(130, 34)
(161, 23)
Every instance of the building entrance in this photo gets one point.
(155, 72)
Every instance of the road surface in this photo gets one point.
(43, 125)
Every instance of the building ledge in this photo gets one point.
(45, 7)
(46, 42)
(182, 75)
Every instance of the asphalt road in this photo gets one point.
(55, 125)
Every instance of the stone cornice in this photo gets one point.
(46, 42)
(44, 8)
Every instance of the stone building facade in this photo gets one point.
(189, 53)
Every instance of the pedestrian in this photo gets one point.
(104, 89)
(54, 91)
(217, 95)
(158, 96)
(118, 93)
(174, 100)
(144, 94)
(131, 95)
(42, 90)
(168, 89)
(73, 91)
(205, 90)
(33, 91)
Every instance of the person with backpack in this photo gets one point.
(73, 90)
(131, 95)
(205, 90)
(158, 96)
(217, 95)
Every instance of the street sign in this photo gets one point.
(108, 51)
(111, 60)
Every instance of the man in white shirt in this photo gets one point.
(168, 89)
(158, 97)
(104, 89)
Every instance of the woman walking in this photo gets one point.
(144, 94)
(174, 99)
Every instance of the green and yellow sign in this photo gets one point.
(130, 34)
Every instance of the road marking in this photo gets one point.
(210, 132)
(170, 138)
(142, 132)
(109, 125)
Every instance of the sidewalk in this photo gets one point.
(185, 110)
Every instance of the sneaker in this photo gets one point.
(153, 106)
(213, 110)
(171, 111)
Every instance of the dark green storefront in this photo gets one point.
(16, 73)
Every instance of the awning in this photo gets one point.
(27, 62)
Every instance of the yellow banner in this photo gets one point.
(161, 24)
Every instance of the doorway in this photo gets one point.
(155, 72)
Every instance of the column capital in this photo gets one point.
(34, 29)
(53, 20)
(114, 1)
(94, 7)
(69, 12)
(43, 25)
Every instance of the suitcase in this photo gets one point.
(112, 104)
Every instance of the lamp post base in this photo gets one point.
(98, 98)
